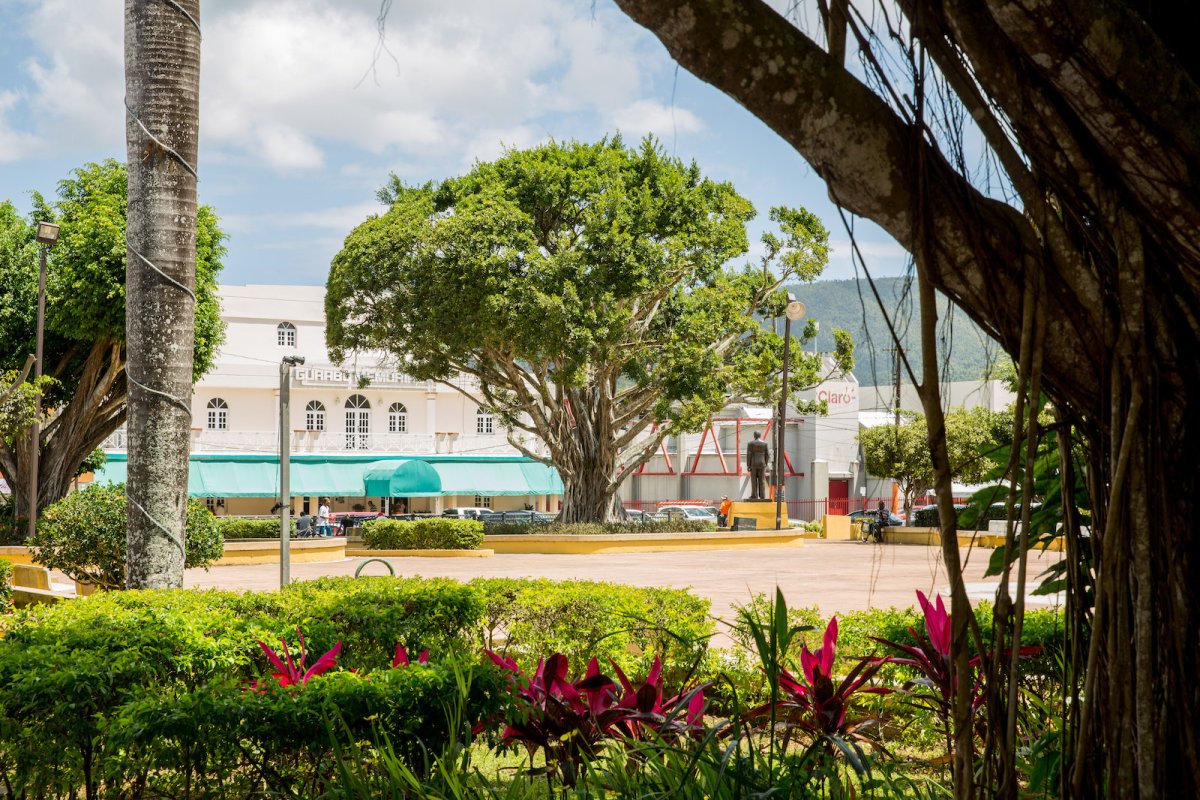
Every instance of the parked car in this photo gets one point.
(894, 521)
(523, 517)
(689, 513)
(468, 512)
(637, 515)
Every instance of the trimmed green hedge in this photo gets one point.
(599, 528)
(238, 528)
(98, 680)
(6, 573)
(531, 618)
(435, 533)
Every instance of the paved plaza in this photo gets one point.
(835, 576)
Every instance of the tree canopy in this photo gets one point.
(902, 452)
(85, 317)
(585, 287)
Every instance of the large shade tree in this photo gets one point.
(585, 288)
(85, 343)
(901, 452)
(162, 134)
(1082, 258)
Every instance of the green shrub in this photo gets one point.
(436, 533)
(83, 535)
(219, 736)
(580, 619)
(6, 573)
(239, 528)
(70, 672)
(599, 528)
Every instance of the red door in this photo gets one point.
(839, 496)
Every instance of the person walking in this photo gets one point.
(324, 520)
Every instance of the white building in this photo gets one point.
(347, 414)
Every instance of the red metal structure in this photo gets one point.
(725, 468)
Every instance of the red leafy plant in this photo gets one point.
(820, 706)
(401, 657)
(569, 721)
(290, 672)
(930, 657)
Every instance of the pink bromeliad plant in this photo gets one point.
(290, 672)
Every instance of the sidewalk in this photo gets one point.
(835, 576)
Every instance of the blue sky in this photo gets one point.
(301, 123)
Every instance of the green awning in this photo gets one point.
(446, 478)
(212, 478)
(401, 479)
(257, 475)
(331, 478)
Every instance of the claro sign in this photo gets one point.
(838, 395)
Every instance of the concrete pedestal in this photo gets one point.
(763, 511)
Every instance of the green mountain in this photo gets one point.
(965, 351)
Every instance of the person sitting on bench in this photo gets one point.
(304, 525)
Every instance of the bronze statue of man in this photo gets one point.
(758, 460)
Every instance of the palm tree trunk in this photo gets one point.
(162, 85)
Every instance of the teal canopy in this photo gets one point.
(335, 475)
(418, 478)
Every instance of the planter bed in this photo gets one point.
(356, 550)
(266, 551)
(586, 544)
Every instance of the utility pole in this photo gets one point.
(895, 351)
(285, 467)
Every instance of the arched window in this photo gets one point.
(218, 415)
(397, 418)
(484, 422)
(314, 416)
(286, 334)
(358, 423)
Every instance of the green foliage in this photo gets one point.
(583, 276)
(974, 439)
(425, 534)
(85, 281)
(157, 681)
(240, 528)
(84, 536)
(18, 403)
(6, 574)
(599, 528)
(530, 618)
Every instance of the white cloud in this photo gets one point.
(649, 116)
(14, 144)
(285, 81)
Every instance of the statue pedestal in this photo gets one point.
(762, 511)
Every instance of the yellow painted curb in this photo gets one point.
(266, 551)
(365, 553)
(931, 537)
(640, 542)
(16, 554)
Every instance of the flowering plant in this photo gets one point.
(290, 672)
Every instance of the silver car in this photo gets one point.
(688, 513)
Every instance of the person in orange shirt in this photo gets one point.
(726, 505)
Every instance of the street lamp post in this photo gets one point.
(47, 236)
(285, 466)
(793, 313)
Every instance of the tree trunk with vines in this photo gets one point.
(162, 79)
(1090, 109)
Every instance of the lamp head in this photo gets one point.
(47, 233)
(795, 311)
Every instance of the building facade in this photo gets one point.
(368, 406)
